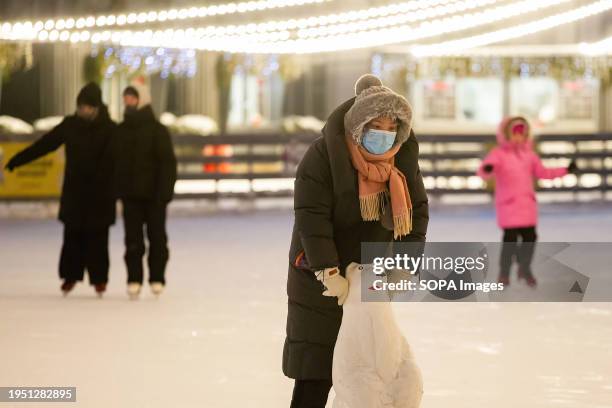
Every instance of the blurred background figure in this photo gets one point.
(515, 167)
(87, 204)
(146, 173)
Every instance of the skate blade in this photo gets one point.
(157, 293)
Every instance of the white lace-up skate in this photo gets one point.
(157, 288)
(133, 290)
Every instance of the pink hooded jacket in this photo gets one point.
(514, 169)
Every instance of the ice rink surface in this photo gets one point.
(214, 339)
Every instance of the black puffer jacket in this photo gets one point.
(146, 164)
(328, 232)
(87, 198)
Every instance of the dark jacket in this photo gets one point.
(87, 199)
(328, 231)
(146, 164)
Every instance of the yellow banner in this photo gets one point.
(40, 178)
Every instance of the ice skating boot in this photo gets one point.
(528, 277)
(505, 279)
(67, 286)
(100, 289)
(157, 288)
(133, 290)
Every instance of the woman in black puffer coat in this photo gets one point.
(329, 229)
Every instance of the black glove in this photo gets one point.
(572, 168)
(487, 168)
(10, 166)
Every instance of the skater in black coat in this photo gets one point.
(146, 173)
(87, 204)
(330, 225)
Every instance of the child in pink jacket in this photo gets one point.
(514, 165)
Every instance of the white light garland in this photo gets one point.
(513, 50)
(427, 13)
(256, 43)
(227, 34)
(334, 32)
(603, 47)
(457, 46)
(373, 38)
(412, 10)
(153, 16)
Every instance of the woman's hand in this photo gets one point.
(336, 284)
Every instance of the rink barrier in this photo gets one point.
(270, 156)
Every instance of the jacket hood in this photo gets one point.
(503, 131)
(143, 92)
(343, 174)
(142, 115)
(103, 115)
(374, 100)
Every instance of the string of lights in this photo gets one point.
(457, 46)
(282, 43)
(378, 26)
(395, 30)
(412, 10)
(153, 16)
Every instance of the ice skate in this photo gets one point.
(100, 289)
(528, 278)
(133, 290)
(67, 287)
(505, 279)
(157, 288)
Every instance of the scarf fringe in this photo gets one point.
(402, 224)
(372, 205)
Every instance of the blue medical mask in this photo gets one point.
(378, 141)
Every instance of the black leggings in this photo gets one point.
(523, 252)
(310, 393)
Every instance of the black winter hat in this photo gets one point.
(130, 90)
(90, 94)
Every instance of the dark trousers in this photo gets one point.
(523, 252)
(151, 214)
(85, 249)
(310, 393)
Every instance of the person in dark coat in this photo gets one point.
(146, 173)
(338, 205)
(87, 204)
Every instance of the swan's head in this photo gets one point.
(353, 274)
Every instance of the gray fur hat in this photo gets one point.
(373, 100)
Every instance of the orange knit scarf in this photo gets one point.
(373, 173)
